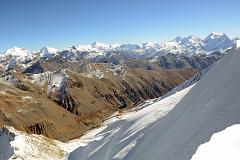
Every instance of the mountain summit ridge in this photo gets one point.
(189, 45)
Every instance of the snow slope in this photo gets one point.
(223, 145)
(16, 145)
(209, 107)
(119, 135)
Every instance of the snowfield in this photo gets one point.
(47, 52)
(120, 134)
(16, 145)
(222, 146)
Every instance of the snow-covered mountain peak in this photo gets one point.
(83, 47)
(217, 41)
(183, 40)
(237, 44)
(194, 38)
(190, 40)
(130, 46)
(17, 52)
(191, 45)
(147, 45)
(95, 46)
(49, 49)
(178, 39)
(114, 46)
(48, 52)
(99, 45)
(170, 47)
(215, 35)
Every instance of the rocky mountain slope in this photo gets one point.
(83, 95)
(20, 145)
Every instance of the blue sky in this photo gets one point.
(61, 23)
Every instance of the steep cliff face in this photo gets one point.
(57, 83)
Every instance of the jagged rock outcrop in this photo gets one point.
(57, 83)
(46, 128)
(40, 128)
(69, 104)
(57, 90)
(130, 92)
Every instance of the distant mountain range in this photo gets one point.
(182, 52)
(191, 45)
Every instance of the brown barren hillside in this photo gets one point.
(92, 93)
